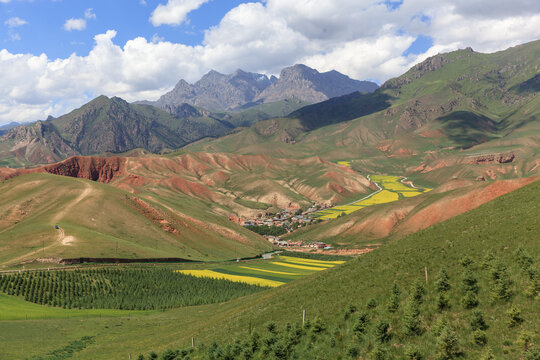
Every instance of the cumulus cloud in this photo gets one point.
(15, 22)
(174, 12)
(364, 39)
(75, 24)
(79, 24)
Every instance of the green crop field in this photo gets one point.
(273, 272)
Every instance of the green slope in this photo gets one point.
(497, 228)
(98, 220)
(443, 109)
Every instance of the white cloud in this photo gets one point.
(4, 1)
(15, 22)
(174, 12)
(89, 14)
(75, 24)
(360, 38)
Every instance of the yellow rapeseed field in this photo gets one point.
(236, 278)
(411, 193)
(381, 197)
(392, 189)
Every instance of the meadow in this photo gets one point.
(390, 189)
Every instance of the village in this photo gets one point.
(272, 225)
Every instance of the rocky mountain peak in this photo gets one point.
(217, 92)
(298, 71)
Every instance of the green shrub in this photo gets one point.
(469, 300)
(514, 316)
(382, 331)
(477, 321)
(412, 353)
(479, 337)
(447, 344)
(442, 302)
(417, 291)
(411, 319)
(442, 282)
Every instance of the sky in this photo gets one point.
(56, 55)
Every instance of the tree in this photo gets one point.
(447, 344)
(417, 291)
(411, 319)
(360, 325)
(382, 331)
(477, 321)
(514, 316)
(469, 300)
(469, 282)
(412, 353)
(479, 337)
(500, 282)
(442, 301)
(442, 282)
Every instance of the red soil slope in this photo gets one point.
(414, 214)
(92, 168)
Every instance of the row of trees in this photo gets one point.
(129, 289)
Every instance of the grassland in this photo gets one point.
(498, 228)
(390, 189)
(16, 308)
(98, 220)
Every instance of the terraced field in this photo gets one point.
(272, 273)
(391, 188)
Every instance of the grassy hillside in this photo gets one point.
(97, 220)
(369, 226)
(477, 240)
(443, 112)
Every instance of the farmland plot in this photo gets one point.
(390, 189)
(271, 273)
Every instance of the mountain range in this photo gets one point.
(176, 119)
(439, 120)
(240, 90)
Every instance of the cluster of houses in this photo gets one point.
(276, 240)
(285, 218)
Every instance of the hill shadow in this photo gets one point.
(467, 129)
(340, 109)
(527, 87)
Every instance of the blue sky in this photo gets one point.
(45, 33)
(55, 55)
